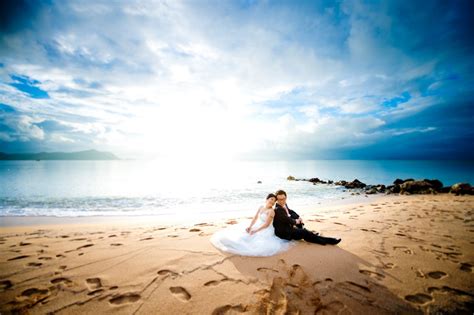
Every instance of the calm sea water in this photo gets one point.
(166, 187)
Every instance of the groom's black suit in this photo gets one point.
(285, 228)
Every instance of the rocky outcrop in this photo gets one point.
(417, 187)
(355, 184)
(400, 186)
(316, 181)
(462, 189)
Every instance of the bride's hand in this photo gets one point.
(248, 229)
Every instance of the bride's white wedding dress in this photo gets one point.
(236, 240)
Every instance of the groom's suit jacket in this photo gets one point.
(283, 223)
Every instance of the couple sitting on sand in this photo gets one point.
(270, 231)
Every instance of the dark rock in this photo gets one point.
(394, 189)
(316, 180)
(340, 183)
(381, 188)
(259, 182)
(355, 184)
(290, 178)
(330, 182)
(398, 181)
(445, 190)
(371, 191)
(437, 184)
(416, 187)
(461, 189)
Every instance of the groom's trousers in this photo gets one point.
(308, 236)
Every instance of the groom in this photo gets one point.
(289, 226)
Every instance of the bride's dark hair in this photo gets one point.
(270, 196)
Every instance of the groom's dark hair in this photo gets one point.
(270, 196)
(280, 192)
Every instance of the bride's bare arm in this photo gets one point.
(271, 214)
(253, 220)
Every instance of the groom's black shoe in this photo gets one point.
(334, 241)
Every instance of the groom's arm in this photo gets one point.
(280, 213)
(295, 215)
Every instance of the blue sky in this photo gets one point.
(252, 79)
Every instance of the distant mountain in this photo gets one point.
(80, 155)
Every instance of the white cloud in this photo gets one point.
(174, 76)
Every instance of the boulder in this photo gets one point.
(393, 189)
(461, 189)
(416, 187)
(446, 189)
(316, 180)
(340, 183)
(437, 184)
(399, 181)
(371, 191)
(355, 184)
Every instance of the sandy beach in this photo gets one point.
(399, 254)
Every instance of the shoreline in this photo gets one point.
(167, 219)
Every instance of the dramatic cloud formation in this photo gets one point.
(255, 79)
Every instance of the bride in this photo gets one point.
(258, 239)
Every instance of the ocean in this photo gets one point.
(194, 188)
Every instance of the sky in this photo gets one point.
(241, 79)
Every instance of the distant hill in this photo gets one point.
(80, 155)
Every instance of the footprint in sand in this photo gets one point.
(116, 244)
(334, 307)
(84, 246)
(24, 243)
(229, 309)
(215, 282)
(454, 291)
(45, 258)
(93, 283)
(436, 274)
(264, 269)
(95, 292)
(78, 239)
(125, 298)
(5, 285)
(34, 264)
(195, 230)
(231, 222)
(467, 267)
(61, 280)
(371, 273)
(113, 235)
(388, 266)
(146, 239)
(405, 249)
(419, 298)
(19, 257)
(34, 291)
(180, 293)
(166, 272)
